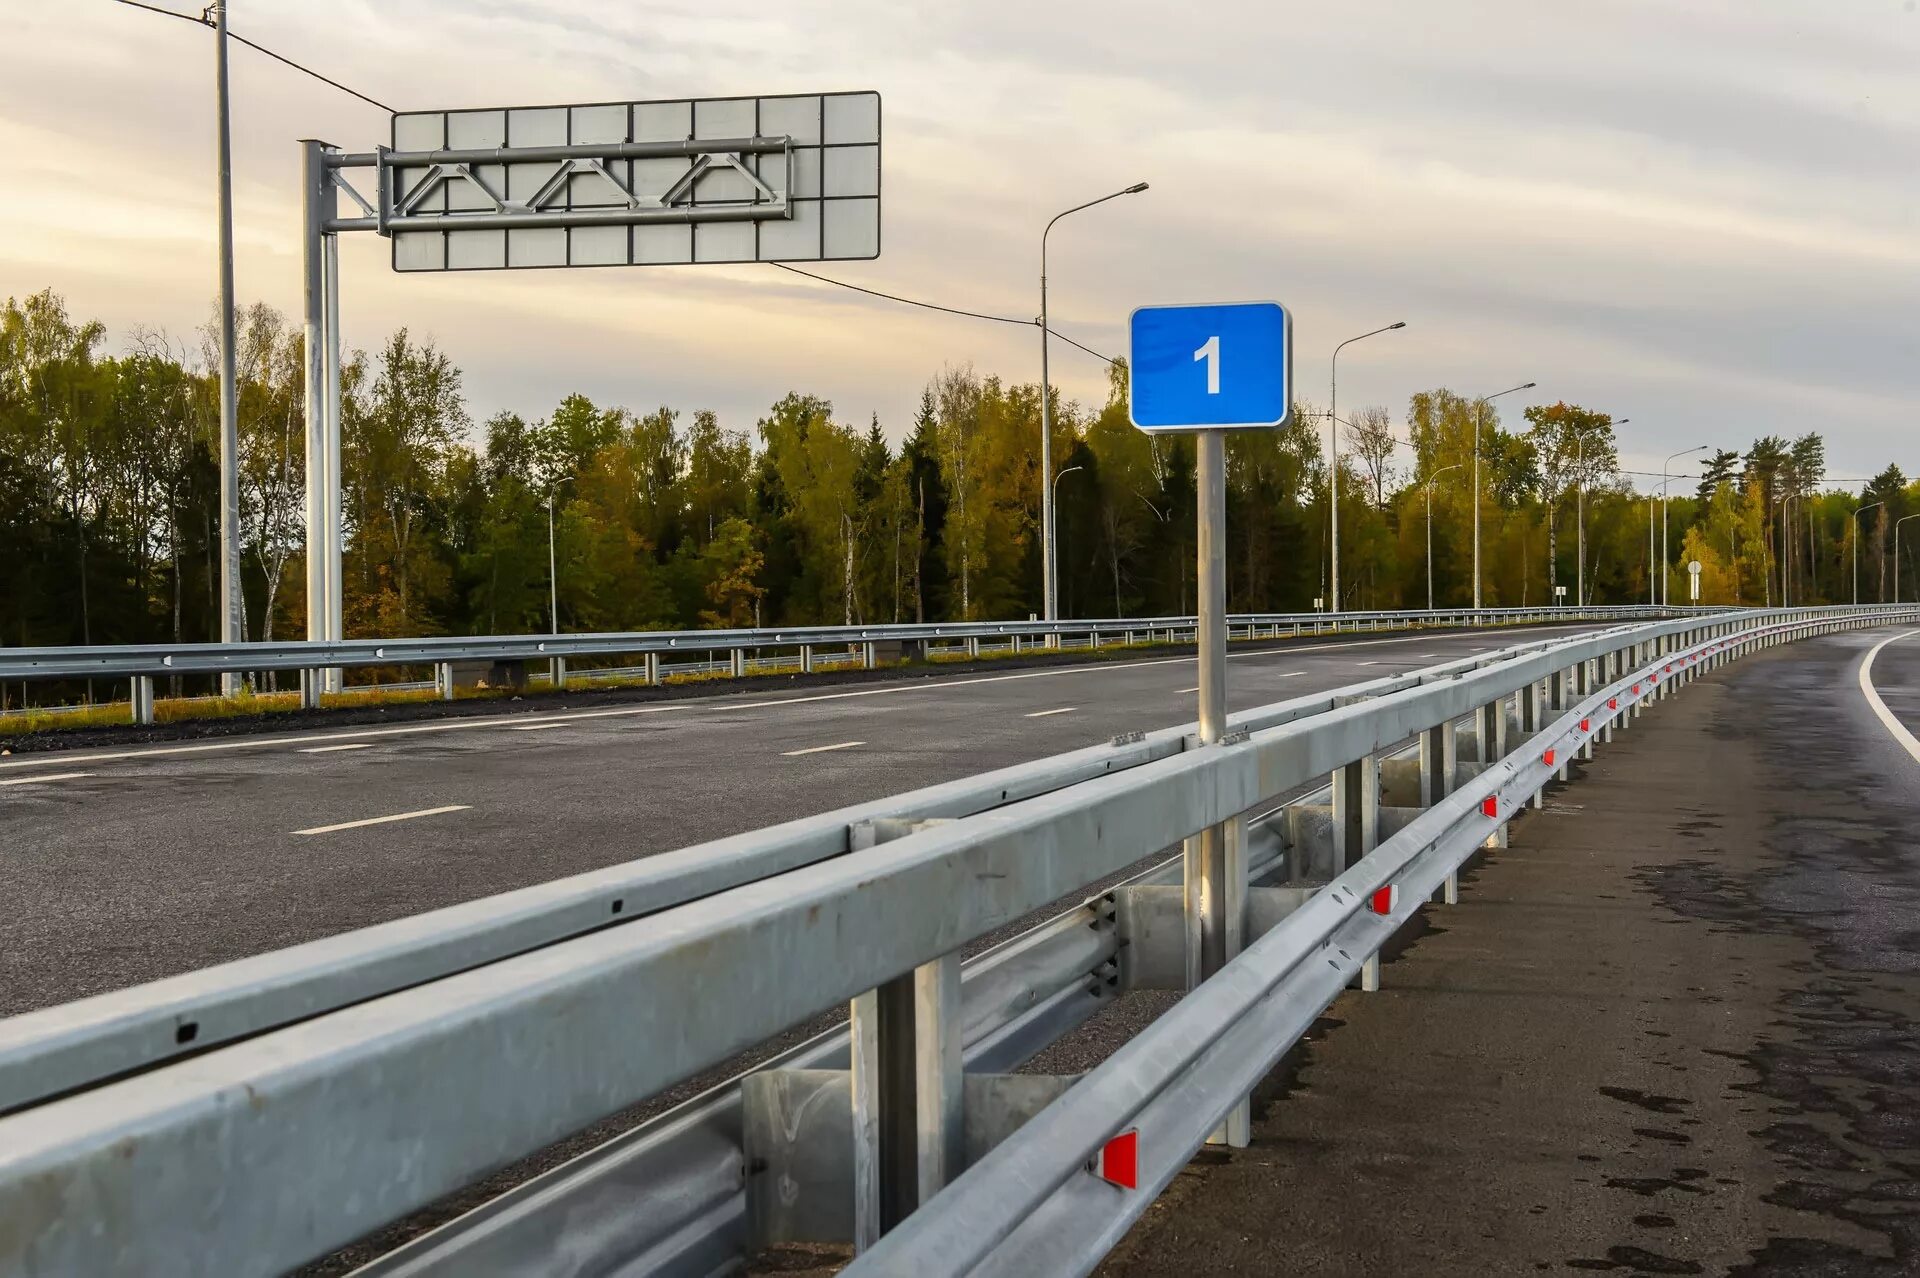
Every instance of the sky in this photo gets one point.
(1699, 217)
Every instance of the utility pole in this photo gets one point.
(232, 621)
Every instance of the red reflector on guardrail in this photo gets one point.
(1636, 689)
(1613, 703)
(1119, 1160)
(1586, 725)
(1384, 899)
(1547, 758)
(1490, 806)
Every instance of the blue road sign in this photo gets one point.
(1226, 365)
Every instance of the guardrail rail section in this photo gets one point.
(665, 653)
(251, 1117)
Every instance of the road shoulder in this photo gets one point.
(1671, 1030)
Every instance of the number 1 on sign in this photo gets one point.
(1211, 353)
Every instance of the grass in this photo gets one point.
(247, 705)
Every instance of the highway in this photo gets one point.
(1670, 1030)
(129, 864)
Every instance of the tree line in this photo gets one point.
(109, 492)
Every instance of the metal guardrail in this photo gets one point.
(140, 664)
(250, 1117)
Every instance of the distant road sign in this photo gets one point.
(793, 178)
(1220, 366)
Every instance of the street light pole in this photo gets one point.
(1853, 528)
(1333, 456)
(232, 624)
(1056, 511)
(1783, 504)
(1653, 596)
(1666, 592)
(1430, 478)
(1896, 554)
(1580, 538)
(553, 576)
(1479, 412)
(1048, 604)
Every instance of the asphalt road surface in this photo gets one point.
(1673, 1029)
(125, 865)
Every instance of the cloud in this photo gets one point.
(1700, 217)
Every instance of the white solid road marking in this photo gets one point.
(844, 745)
(51, 776)
(398, 816)
(1194, 688)
(533, 727)
(351, 745)
(1879, 707)
(1041, 714)
(716, 704)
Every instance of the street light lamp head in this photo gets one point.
(1397, 324)
(1135, 189)
(1529, 386)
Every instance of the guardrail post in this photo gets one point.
(652, 675)
(1356, 829)
(867, 661)
(312, 683)
(1532, 719)
(1215, 905)
(1493, 746)
(973, 646)
(141, 694)
(939, 1108)
(806, 658)
(443, 680)
(1356, 810)
(739, 663)
(885, 1167)
(1436, 764)
(559, 674)
(1609, 671)
(909, 1129)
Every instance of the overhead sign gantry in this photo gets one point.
(685, 181)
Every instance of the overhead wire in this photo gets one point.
(935, 306)
(203, 21)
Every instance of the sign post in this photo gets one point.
(776, 178)
(1205, 370)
